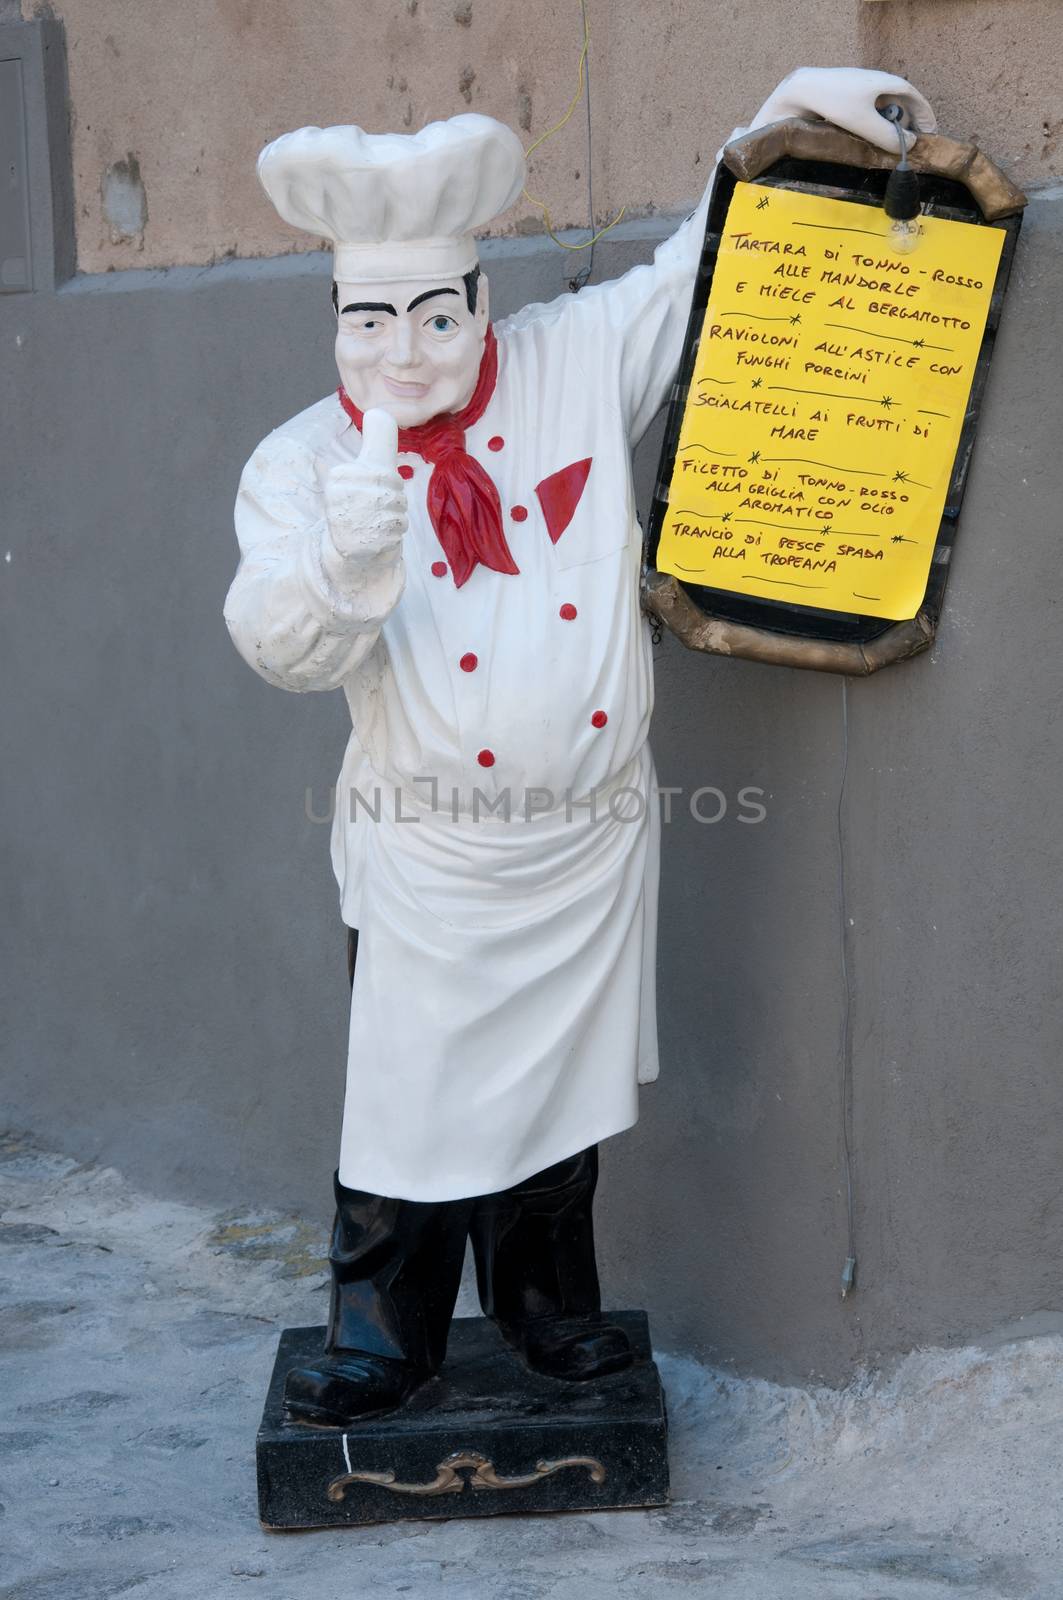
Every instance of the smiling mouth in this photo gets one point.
(405, 391)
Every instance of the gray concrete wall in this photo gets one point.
(172, 956)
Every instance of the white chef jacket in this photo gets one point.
(503, 1007)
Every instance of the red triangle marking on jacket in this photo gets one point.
(559, 495)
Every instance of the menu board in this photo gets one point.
(825, 407)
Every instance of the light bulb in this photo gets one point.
(904, 235)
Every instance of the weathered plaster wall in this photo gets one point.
(993, 68)
(171, 103)
(173, 963)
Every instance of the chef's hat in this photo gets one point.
(396, 205)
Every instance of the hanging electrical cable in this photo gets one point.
(901, 200)
(901, 205)
(848, 1282)
(583, 92)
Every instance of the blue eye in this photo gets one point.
(442, 324)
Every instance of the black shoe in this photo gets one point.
(347, 1386)
(573, 1348)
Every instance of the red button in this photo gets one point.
(567, 613)
(405, 472)
(496, 443)
(439, 569)
(468, 663)
(599, 719)
(486, 758)
(519, 513)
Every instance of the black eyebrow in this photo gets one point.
(370, 305)
(428, 294)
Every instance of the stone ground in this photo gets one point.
(139, 1335)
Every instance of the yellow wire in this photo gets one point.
(576, 98)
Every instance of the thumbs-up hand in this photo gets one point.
(365, 502)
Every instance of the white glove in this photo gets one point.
(848, 97)
(365, 502)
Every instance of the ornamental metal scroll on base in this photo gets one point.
(449, 1478)
(957, 182)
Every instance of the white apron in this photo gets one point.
(503, 992)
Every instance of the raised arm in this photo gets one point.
(646, 310)
(320, 571)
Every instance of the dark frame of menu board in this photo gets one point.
(956, 182)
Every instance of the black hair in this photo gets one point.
(470, 279)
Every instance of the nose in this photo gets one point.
(402, 351)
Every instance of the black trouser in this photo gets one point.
(396, 1264)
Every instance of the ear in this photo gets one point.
(483, 305)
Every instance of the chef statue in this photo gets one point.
(451, 539)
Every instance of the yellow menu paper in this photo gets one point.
(826, 403)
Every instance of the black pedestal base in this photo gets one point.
(487, 1436)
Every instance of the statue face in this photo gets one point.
(412, 349)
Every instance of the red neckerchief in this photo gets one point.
(463, 503)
